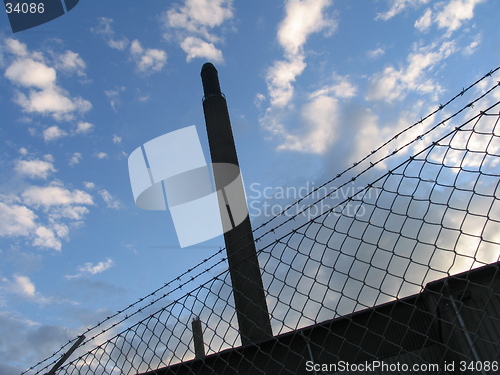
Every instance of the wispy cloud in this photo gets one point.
(84, 127)
(116, 139)
(71, 62)
(75, 159)
(394, 83)
(398, 6)
(341, 87)
(375, 53)
(449, 15)
(90, 269)
(114, 96)
(147, 60)
(111, 202)
(105, 29)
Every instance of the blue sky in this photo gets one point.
(312, 86)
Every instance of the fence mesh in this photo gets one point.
(358, 270)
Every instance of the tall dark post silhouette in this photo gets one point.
(199, 346)
(249, 296)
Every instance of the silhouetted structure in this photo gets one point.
(455, 321)
(199, 345)
(248, 291)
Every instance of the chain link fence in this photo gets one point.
(354, 279)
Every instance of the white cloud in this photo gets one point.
(19, 220)
(136, 48)
(398, 6)
(143, 97)
(116, 139)
(375, 53)
(147, 60)
(106, 30)
(280, 78)
(29, 71)
(75, 159)
(424, 22)
(35, 168)
(194, 22)
(53, 132)
(16, 47)
(342, 88)
(111, 202)
(259, 98)
(71, 212)
(47, 238)
(98, 268)
(384, 85)
(89, 185)
(470, 49)
(24, 286)
(448, 15)
(49, 157)
(320, 117)
(41, 214)
(16, 220)
(199, 48)
(48, 196)
(71, 62)
(52, 101)
(84, 127)
(303, 18)
(453, 13)
(114, 96)
(57, 203)
(92, 269)
(102, 155)
(198, 16)
(393, 84)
